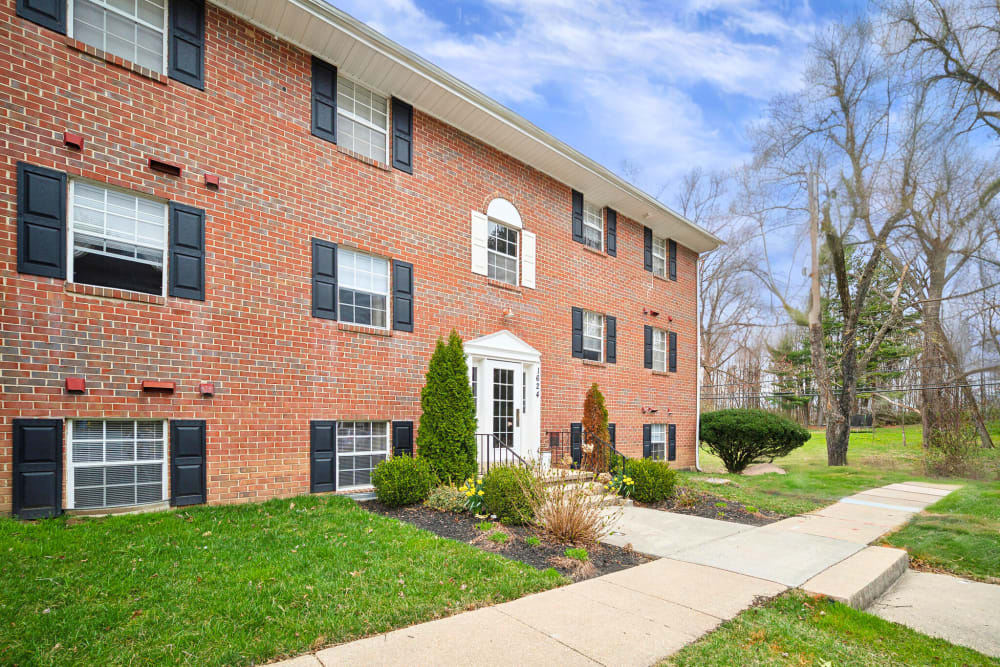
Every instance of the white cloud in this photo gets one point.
(631, 73)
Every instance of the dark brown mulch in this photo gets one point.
(603, 558)
(697, 503)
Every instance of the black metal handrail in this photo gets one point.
(564, 441)
(493, 451)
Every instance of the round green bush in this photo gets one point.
(741, 437)
(402, 480)
(652, 481)
(507, 494)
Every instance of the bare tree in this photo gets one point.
(841, 130)
(957, 42)
(730, 305)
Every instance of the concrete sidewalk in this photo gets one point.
(708, 572)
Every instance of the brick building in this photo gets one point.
(231, 233)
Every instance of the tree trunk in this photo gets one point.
(933, 403)
(838, 435)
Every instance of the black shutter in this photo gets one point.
(647, 441)
(402, 136)
(576, 443)
(647, 346)
(41, 221)
(578, 333)
(611, 434)
(577, 216)
(611, 345)
(187, 462)
(187, 252)
(324, 279)
(647, 252)
(672, 442)
(402, 438)
(324, 100)
(402, 296)
(49, 14)
(187, 42)
(322, 456)
(672, 245)
(612, 232)
(673, 352)
(38, 455)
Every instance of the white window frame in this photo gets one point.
(387, 451)
(388, 288)
(517, 251)
(361, 121)
(654, 441)
(662, 255)
(601, 339)
(661, 336)
(70, 501)
(589, 223)
(102, 3)
(71, 231)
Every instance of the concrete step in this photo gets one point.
(861, 579)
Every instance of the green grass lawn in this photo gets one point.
(794, 629)
(232, 585)
(959, 534)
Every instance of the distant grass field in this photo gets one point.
(960, 534)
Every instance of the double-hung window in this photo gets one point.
(502, 248)
(593, 226)
(114, 463)
(593, 336)
(658, 441)
(660, 256)
(362, 120)
(132, 29)
(360, 447)
(659, 350)
(117, 239)
(363, 282)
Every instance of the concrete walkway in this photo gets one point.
(708, 572)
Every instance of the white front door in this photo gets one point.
(504, 403)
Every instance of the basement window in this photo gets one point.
(114, 463)
(118, 239)
(360, 447)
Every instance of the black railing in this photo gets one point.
(494, 451)
(570, 445)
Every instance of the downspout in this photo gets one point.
(697, 365)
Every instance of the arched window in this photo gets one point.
(503, 241)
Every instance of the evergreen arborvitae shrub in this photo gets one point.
(741, 437)
(446, 437)
(653, 481)
(402, 480)
(595, 429)
(507, 493)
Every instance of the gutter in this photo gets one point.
(697, 365)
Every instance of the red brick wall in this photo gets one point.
(274, 366)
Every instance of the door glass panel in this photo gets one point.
(503, 407)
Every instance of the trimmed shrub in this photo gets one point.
(402, 480)
(741, 437)
(652, 481)
(447, 433)
(507, 493)
(446, 498)
(595, 430)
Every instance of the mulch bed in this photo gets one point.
(698, 503)
(603, 558)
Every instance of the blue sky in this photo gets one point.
(665, 86)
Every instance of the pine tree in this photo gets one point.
(447, 433)
(595, 429)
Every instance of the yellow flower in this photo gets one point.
(480, 492)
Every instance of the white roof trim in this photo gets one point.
(375, 60)
(502, 345)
